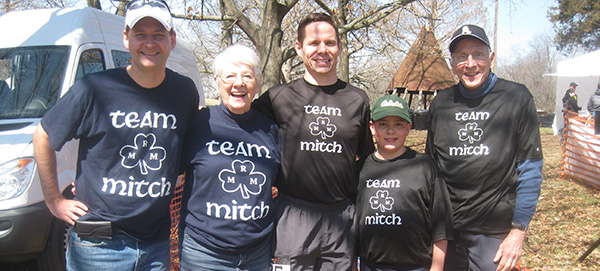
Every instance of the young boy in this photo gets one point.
(402, 205)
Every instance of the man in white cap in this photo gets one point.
(130, 123)
(484, 135)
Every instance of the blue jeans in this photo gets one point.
(122, 252)
(195, 256)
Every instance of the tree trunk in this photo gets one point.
(94, 4)
(271, 55)
(227, 36)
(268, 43)
(121, 8)
(344, 59)
(266, 37)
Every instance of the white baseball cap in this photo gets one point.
(157, 9)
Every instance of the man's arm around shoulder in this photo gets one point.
(264, 105)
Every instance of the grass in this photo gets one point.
(567, 220)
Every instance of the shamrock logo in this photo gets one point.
(143, 153)
(242, 177)
(381, 201)
(470, 132)
(322, 127)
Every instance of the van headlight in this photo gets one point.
(15, 177)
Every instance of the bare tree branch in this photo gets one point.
(374, 16)
(249, 27)
(205, 17)
(288, 53)
(324, 7)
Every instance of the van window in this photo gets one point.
(30, 80)
(121, 58)
(91, 61)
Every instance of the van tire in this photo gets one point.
(53, 257)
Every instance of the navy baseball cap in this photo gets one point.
(468, 31)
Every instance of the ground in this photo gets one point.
(567, 220)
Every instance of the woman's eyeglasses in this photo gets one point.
(230, 79)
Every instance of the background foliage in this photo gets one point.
(576, 23)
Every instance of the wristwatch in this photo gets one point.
(517, 225)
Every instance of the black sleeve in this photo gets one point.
(441, 212)
(529, 142)
(365, 143)
(264, 105)
(359, 166)
(191, 145)
(430, 131)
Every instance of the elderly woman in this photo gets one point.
(234, 156)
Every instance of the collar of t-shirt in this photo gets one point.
(408, 154)
(329, 89)
(483, 90)
(236, 117)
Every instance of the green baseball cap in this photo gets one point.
(390, 105)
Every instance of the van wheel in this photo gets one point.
(53, 257)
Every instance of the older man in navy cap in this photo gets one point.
(130, 123)
(484, 135)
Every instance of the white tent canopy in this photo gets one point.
(581, 66)
(584, 70)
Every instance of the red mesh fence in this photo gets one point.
(581, 150)
(175, 217)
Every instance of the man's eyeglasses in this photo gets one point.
(135, 4)
(463, 58)
(230, 79)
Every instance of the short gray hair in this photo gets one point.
(237, 54)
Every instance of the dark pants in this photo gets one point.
(471, 251)
(311, 236)
(365, 266)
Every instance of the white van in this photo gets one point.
(42, 52)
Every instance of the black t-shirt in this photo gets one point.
(324, 129)
(130, 146)
(402, 208)
(478, 144)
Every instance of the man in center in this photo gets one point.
(324, 123)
